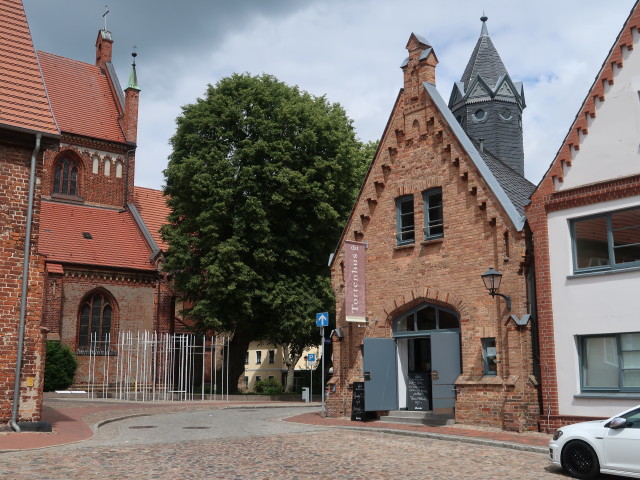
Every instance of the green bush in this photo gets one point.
(60, 367)
(269, 386)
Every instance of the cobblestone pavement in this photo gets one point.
(254, 444)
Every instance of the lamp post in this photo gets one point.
(492, 279)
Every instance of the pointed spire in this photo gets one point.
(133, 76)
(484, 31)
(485, 60)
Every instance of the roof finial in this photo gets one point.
(104, 15)
(484, 30)
(133, 76)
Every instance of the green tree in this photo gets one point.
(260, 182)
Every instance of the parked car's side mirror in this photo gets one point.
(617, 422)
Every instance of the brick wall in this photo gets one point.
(418, 151)
(105, 176)
(134, 302)
(14, 186)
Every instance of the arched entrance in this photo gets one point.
(418, 366)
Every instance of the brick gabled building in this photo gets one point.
(436, 210)
(27, 128)
(585, 219)
(102, 261)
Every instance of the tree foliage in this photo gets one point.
(260, 182)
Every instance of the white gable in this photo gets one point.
(611, 149)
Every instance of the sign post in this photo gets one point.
(322, 320)
(311, 359)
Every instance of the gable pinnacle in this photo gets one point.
(133, 76)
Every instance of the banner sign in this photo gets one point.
(354, 258)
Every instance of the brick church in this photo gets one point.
(95, 247)
(442, 203)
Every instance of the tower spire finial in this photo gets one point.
(133, 76)
(484, 30)
(104, 15)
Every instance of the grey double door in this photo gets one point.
(380, 362)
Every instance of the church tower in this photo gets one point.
(489, 105)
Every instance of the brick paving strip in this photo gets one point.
(75, 421)
(533, 441)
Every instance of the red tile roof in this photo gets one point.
(153, 208)
(23, 100)
(115, 239)
(81, 98)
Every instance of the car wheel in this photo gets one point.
(579, 460)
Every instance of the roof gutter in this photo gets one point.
(25, 285)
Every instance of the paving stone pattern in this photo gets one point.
(252, 444)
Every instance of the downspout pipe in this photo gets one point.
(25, 286)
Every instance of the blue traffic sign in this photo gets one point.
(322, 319)
(311, 357)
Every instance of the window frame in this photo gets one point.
(612, 266)
(66, 177)
(427, 200)
(271, 354)
(416, 332)
(582, 358)
(258, 357)
(403, 229)
(486, 344)
(103, 330)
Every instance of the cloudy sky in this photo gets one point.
(348, 50)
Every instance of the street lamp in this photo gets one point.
(492, 279)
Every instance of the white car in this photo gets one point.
(608, 446)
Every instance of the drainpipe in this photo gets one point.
(25, 285)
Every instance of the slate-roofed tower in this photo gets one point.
(488, 104)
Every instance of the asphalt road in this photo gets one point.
(243, 444)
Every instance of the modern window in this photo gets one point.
(610, 362)
(607, 241)
(258, 378)
(405, 226)
(95, 324)
(272, 356)
(433, 220)
(66, 177)
(259, 356)
(425, 317)
(489, 363)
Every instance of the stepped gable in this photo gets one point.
(23, 99)
(84, 235)
(81, 98)
(604, 78)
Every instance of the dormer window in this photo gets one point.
(479, 115)
(66, 177)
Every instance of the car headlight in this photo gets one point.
(558, 434)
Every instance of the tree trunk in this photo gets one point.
(237, 352)
(290, 360)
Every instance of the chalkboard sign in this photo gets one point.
(357, 403)
(418, 391)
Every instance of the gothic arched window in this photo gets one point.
(66, 177)
(95, 321)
